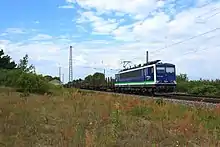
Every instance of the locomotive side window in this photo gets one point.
(170, 69)
(131, 74)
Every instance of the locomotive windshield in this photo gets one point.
(160, 69)
(170, 70)
(165, 69)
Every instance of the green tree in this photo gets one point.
(98, 79)
(56, 78)
(5, 61)
(182, 78)
(50, 78)
(23, 65)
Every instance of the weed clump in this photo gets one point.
(160, 102)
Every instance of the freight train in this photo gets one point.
(152, 77)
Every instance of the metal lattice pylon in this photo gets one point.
(71, 65)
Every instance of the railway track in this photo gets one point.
(188, 97)
(175, 96)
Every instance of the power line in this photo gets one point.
(196, 36)
(180, 42)
(98, 68)
(213, 15)
(210, 2)
(196, 50)
(207, 12)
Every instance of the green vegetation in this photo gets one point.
(81, 118)
(96, 80)
(198, 87)
(22, 76)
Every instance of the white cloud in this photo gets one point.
(132, 6)
(41, 37)
(99, 24)
(3, 34)
(15, 31)
(66, 7)
(37, 22)
(4, 43)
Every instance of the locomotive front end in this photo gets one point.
(165, 77)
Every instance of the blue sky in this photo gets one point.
(111, 31)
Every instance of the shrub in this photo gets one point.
(199, 87)
(204, 90)
(24, 82)
(12, 77)
(3, 74)
(9, 77)
(33, 83)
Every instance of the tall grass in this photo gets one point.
(79, 118)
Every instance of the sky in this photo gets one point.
(104, 33)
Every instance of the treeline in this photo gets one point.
(95, 81)
(198, 87)
(22, 76)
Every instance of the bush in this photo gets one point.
(198, 87)
(9, 77)
(24, 82)
(12, 77)
(3, 74)
(204, 90)
(182, 86)
(32, 83)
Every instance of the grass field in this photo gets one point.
(79, 118)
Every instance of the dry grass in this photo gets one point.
(79, 118)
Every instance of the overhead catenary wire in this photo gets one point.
(183, 41)
(210, 11)
(195, 36)
(212, 15)
(99, 68)
(196, 50)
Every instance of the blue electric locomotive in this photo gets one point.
(153, 76)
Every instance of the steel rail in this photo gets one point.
(175, 96)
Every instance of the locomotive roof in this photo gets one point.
(166, 64)
(157, 62)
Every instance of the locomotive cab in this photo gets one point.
(166, 76)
